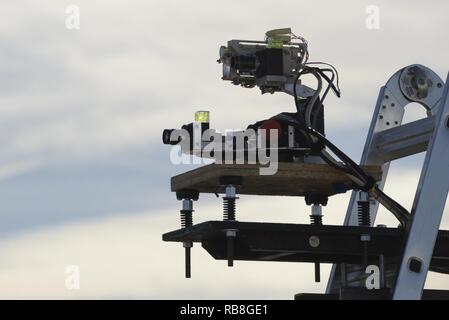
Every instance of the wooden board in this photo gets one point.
(291, 179)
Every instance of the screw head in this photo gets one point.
(365, 238)
(415, 264)
(314, 241)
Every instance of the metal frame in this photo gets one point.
(404, 271)
(427, 209)
(286, 242)
(388, 140)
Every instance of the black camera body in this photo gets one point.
(291, 145)
(268, 64)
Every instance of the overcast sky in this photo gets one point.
(84, 178)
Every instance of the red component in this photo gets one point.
(271, 124)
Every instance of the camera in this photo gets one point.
(269, 64)
(273, 65)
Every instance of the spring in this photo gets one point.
(229, 208)
(316, 219)
(363, 212)
(186, 218)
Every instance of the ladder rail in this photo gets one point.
(387, 117)
(427, 210)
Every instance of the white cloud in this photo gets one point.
(124, 256)
(128, 73)
(16, 168)
(135, 68)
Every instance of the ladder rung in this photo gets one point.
(403, 141)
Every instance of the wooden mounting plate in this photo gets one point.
(291, 179)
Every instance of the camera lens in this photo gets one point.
(166, 137)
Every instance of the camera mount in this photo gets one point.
(311, 166)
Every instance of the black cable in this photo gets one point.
(330, 81)
(394, 207)
(318, 73)
(340, 154)
(320, 106)
(305, 70)
(311, 103)
(328, 86)
(333, 68)
(349, 167)
(369, 183)
(330, 145)
(305, 131)
(295, 94)
(340, 168)
(331, 85)
(352, 169)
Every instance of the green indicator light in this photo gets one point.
(202, 116)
